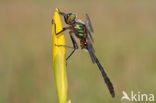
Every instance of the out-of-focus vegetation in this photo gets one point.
(125, 42)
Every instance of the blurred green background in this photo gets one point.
(125, 43)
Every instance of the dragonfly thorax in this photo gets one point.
(79, 30)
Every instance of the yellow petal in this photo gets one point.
(59, 61)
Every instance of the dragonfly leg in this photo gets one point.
(65, 28)
(75, 46)
(52, 21)
(61, 13)
(65, 46)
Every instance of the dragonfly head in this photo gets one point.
(70, 18)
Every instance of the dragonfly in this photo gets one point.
(83, 32)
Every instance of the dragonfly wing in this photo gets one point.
(89, 35)
(88, 23)
(89, 27)
(91, 51)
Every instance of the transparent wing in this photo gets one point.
(89, 24)
(91, 51)
(90, 36)
(89, 27)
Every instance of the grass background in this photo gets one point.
(125, 43)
